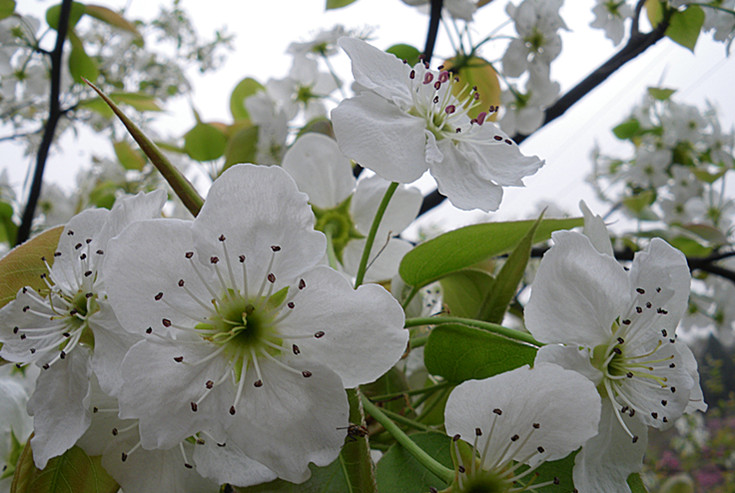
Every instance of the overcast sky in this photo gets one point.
(264, 29)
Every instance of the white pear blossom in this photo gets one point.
(272, 123)
(610, 16)
(57, 328)
(538, 42)
(15, 426)
(406, 120)
(305, 88)
(249, 339)
(617, 327)
(524, 416)
(345, 207)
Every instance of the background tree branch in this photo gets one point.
(50, 127)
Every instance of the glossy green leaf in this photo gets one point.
(506, 283)
(706, 232)
(399, 472)
(458, 353)
(72, 472)
(112, 18)
(52, 15)
(243, 90)
(636, 484)
(204, 142)
(689, 246)
(329, 479)
(464, 292)
(627, 130)
(242, 146)
(7, 7)
(22, 266)
(131, 159)
(338, 4)
(405, 52)
(660, 93)
(81, 65)
(685, 26)
(465, 247)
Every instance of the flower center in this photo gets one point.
(337, 224)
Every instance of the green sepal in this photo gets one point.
(636, 484)
(337, 222)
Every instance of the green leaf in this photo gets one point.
(204, 142)
(72, 472)
(98, 106)
(685, 26)
(654, 12)
(627, 130)
(76, 13)
(464, 247)
(131, 159)
(338, 4)
(8, 229)
(137, 100)
(81, 65)
(329, 479)
(405, 52)
(458, 353)
(689, 246)
(660, 93)
(399, 472)
(22, 266)
(558, 469)
(464, 291)
(707, 177)
(710, 234)
(636, 484)
(242, 147)
(243, 90)
(112, 18)
(7, 7)
(506, 282)
(104, 194)
(640, 205)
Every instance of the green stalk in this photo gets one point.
(373, 231)
(439, 470)
(355, 455)
(425, 390)
(180, 185)
(490, 327)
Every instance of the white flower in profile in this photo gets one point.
(406, 120)
(250, 339)
(58, 327)
(521, 417)
(617, 327)
(345, 207)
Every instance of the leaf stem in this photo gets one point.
(442, 472)
(373, 231)
(425, 390)
(490, 327)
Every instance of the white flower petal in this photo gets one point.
(228, 464)
(384, 258)
(577, 293)
(320, 170)
(403, 208)
(59, 406)
(570, 358)
(381, 137)
(290, 420)
(606, 461)
(563, 403)
(596, 231)
(363, 328)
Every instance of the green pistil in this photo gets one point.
(337, 222)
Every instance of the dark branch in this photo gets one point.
(53, 118)
(637, 44)
(436, 15)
